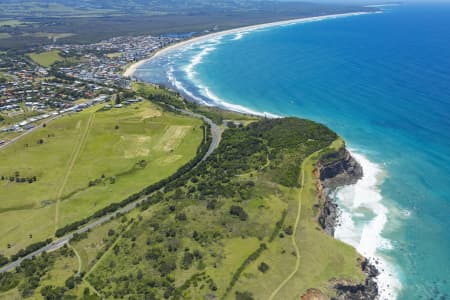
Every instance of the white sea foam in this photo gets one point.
(238, 36)
(181, 88)
(362, 220)
(196, 60)
(205, 48)
(209, 43)
(234, 107)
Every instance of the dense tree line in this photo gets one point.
(251, 258)
(30, 249)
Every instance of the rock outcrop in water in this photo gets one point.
(336, 169)
(366, 291)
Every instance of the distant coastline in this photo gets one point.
(131, 70)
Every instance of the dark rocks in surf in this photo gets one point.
(366, 291)
(335, 169)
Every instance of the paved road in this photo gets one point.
(215, 130)
(12, 141)
(216, 134)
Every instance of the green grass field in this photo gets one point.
(114, 55)
(74, 167)
(46, 59)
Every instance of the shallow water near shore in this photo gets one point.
(381, 81)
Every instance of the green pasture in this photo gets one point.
(85, 162)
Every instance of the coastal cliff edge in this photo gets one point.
(336, 169)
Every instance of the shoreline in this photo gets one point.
(365, 194)
(387, 285)
(337, 182)
(131, 70)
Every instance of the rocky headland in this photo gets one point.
(336, 169)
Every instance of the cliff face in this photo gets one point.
(337, 169)
(334, 170)
(366, 291)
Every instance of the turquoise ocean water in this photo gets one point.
(382, 81)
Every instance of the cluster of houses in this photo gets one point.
(30, 123)
(95, 75)
(104, 62)
(86, 104)
(28, 87)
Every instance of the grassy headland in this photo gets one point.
(241, 225)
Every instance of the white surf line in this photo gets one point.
(366, 236)
(129, 72)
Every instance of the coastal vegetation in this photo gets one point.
(82, 163)
(240, 225)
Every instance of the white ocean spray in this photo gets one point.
(362, 220)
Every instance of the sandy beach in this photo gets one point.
(129, 72)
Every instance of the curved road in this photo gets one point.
(216, 134)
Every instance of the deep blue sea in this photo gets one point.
(381, 81)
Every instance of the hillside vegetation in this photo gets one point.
(242, 225)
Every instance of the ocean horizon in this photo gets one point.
(381, 81)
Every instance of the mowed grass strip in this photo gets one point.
(124, 151)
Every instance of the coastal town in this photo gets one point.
(47, 82)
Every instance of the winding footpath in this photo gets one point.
(293, 236)
(216, 135)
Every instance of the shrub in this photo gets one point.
(244, 296)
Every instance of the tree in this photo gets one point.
(52, 293)
(117, 99)
(188, 258)
(181, 217)
(139, 275)
(70, 282)
(3, 260)
(238, 211)
(263, 267)
(289, 230)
